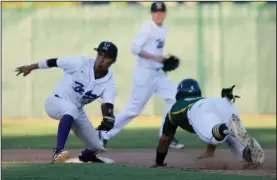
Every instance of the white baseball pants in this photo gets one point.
(56, 107)
(207, 113)
(146, 82)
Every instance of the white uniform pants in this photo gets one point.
(56, 107)
(146, 82)
(207, 113)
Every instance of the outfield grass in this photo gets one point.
(106, 172)
(139, 134)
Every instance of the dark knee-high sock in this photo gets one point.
(63, 131)
(220, 131)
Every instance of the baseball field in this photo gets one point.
(27, 149)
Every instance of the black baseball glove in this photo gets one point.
(108, 117)
(107, 124)
(170, 63)
(228, 92)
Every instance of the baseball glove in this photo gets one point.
(228, 92)
(171, 63)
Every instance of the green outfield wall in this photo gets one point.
(218, 45)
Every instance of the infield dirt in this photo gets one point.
(223, 162)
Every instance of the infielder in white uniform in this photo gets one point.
(214, 120)
(84, 81)
(148, 78)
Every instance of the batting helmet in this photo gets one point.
(188, 88)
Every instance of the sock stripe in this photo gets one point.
(216, 132)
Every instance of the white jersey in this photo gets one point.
(78, 84)
(151, 38)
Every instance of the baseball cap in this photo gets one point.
(107, 47)
(158, 6)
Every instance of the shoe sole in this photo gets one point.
(61, 158)
(237, 130)
(257, 153)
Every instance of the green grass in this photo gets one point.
(139, 134)
(104, 171)
(129, 138)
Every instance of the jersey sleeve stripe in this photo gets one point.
(182, 110)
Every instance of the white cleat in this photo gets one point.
(176, 145)
(256, 151)
(237, 130)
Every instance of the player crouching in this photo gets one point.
(215, 120)
(85, 79)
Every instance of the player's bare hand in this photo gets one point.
(206, 155)
(209, 152)
(25, 70)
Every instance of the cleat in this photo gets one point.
(256, 152)
(237, 130)
(60, 156)
(253, 152)
(176, 145)
(88, 156)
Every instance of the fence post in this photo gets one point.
(200, 46)
(221, 44)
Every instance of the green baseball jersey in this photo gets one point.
(177, 116)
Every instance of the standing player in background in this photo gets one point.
(148, 77)
(84, 81)
(214, 120)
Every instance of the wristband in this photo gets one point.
(43, 64)
(160, 157)
(108, 118)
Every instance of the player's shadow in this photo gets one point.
(130, 138)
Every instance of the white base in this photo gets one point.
(76, 160)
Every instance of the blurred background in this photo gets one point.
(220, 44)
